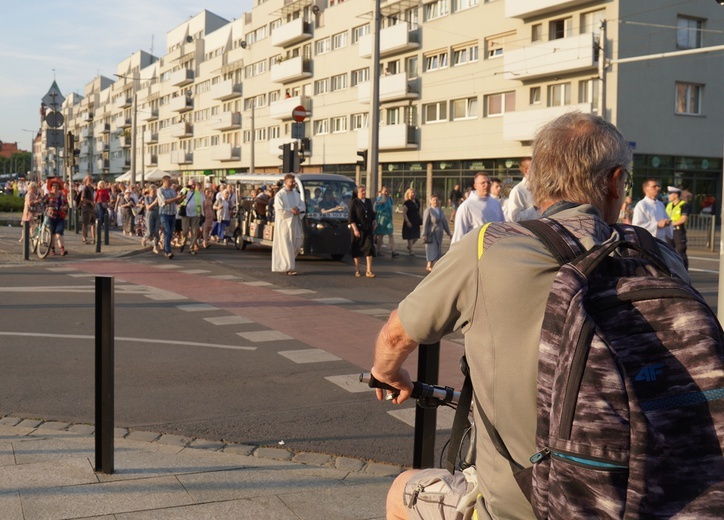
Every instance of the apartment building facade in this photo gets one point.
(464, 84)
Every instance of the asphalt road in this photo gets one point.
(177, 372)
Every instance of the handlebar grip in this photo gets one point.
(418, 388)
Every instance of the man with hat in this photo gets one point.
(678, 211)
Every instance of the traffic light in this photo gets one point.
(362, 161)
(299, 156)
(287, 157)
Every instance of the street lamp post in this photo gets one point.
(33, 133)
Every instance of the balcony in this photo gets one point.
(150, 159)
(180, 130)
(150, 137)
(181, 77)
(101, 147)
(522, 126)
(102, 128)
(122, 123)
(283, 109)
(148, 114)
(291, 33)
(124, 141)
(226, 90)
(88, 117)
(181, 104)
(393, 40)
(562, 56)
(85, 133)
(392, 88)
(225, 152)
(182, 157)
(227, 121)
(391, 137)
(84, 147)
(528, 9)
(293, 69)
(124, 102)
(102, 164)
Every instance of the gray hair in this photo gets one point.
(573, 158)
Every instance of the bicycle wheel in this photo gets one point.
(44, 241)
(34, 239)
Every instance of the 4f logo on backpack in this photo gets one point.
(649, 373)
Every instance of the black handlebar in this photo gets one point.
(443, 394)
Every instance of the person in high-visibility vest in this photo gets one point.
(678, 211)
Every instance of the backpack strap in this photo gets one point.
(562, 244)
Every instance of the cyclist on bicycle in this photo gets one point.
(56, 208)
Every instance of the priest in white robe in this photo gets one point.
(288, 234)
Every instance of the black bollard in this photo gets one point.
(76, 220)
(98, 235)
(428, 362)
(104, 374)
(26, 241)
(106, 229)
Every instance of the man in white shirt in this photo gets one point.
(478, 209)
(288, 233)
(193, 202)
(650, 212)
(520, 204)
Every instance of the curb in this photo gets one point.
(306, 458)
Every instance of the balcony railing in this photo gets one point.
(226, 90)
(393, 40)
(150, 137)
(181, 104)
(102, 164)
(528, 9)
(392, 88)
(521, 126)
(227, 121)
(148, 114)
(391, 137)
(122, 123)
(124, 102)
(181, 157)
(150, 159)
(180, 130)
(125, 141)
(181, 77)
(102, 128)
(291, 33)
(293, 69)
(225, 152)
(555, 57)
(101, 147)
(282, 109)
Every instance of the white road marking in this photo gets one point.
(60, 269)
(226, 277)
(350, 382)
(168, 266)
(292, 292)
(445, 417)
(258, 284)
(197, 307)
(374, 312)
(704, 259)
(410, 274)
(264, 335)
(228, 320)
(131, 340)
(195, 271)
(310, 355)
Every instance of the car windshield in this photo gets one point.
(328, 198)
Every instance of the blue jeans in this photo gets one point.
(153, 222)
(167, 222)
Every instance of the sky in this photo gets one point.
(73, 41)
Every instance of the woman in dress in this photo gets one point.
(383, 209)
(362, 222)
(223, 214)
(153, 218)
(126, 206)
(434, 224)
(30, 209)
(412, 220)
(102, 200)
(208, 214)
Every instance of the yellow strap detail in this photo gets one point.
(481, 239)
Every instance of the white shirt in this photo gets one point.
(647, 214)
(474, 212)
(520, 205)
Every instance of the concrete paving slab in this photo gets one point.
(164, 296)
(445, 417)
(119, 433)
(139, 435)
(30, 423)
(202, 444)
(54, 425)
(293, 292)
(374, 312)
(228, 320)
(82, 429)
(106, 498)
(264, 335)
(168, 266)
(244, 509)
(195, 271)
(239, 449)
(12, 433)
(174, 440)
(258, 284)
(71, 451)
(332, 301)
(10, 421)
(44, 476)
(347, 464)
(11, 506)
(348, 503)
(383, 470)
(316, 459)
(310, 355)
(350, 382)
(7, 456)
(274, 453)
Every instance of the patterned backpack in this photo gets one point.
(630, 388)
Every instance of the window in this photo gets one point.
(591, 22)
(435, 61)
(255, 69)
(274, 96)
(274, 132)
(394, 116)
(436, 9)
(322, 46)
(688, 98)
(359, 76)
(536, 32)
(359, 32)
(588, 91)
(273, 25)
(495, 44)
(339, 40)
(498, 104)
(461, 5)
(534, 96)
(339, 124)
(559, 95)
(688, 32)
(434, 112)
(466, 54)
(339, 82)
(360, 121)
(464, 108)
(321, 86)
(321, 126)
(561, 28)
(260, 134)
(411, 67)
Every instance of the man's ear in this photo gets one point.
(614, 186)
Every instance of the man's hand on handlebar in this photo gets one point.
(400, 381)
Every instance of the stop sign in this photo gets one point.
(299, 114)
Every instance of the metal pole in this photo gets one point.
(428, 362)
(720, 299)
(133, 136)
(98, 235)
(251, 155)
(602, 69)
(104, 374)
(373, 150)
(26, 241)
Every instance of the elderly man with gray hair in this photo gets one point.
(494, 287)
